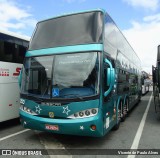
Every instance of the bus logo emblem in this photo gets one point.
(18, 70)
(51, 114)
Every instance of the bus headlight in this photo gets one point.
(87, 112)
(84, 113)
(94, 111)
(75, 115)
(81, 114)
(28, 110)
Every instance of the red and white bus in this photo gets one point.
(12, 52)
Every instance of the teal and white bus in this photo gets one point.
(80, 76)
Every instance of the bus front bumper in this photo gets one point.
(83, 127)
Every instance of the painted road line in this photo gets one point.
(50, 142)
(12, 135)
(140, 129)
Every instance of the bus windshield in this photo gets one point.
(82, 28)
(61, 76)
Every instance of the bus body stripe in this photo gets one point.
(65, 49)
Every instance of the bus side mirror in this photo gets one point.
(20, 79)
(110, 77)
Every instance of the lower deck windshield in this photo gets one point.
(61, 76)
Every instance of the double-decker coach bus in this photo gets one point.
(12, 53)
(156, 82)
(80, 76)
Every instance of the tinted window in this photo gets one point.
(68, 30)
(12, 49)
(115, 42)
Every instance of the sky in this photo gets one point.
(139, 20)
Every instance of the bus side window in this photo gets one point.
(2, 56)
(8, 51)
(22, 51)
(19, 53)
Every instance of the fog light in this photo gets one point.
(93, 127)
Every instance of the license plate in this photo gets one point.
(52, 127)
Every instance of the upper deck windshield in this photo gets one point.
(61, 76)
(82, 28)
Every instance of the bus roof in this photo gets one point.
(23, 37)
(73, 13)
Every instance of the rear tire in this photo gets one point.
(116, 127)
(123, 111)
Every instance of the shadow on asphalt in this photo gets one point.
(9, 124)
(75, 142)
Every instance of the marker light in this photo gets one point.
(93, 127)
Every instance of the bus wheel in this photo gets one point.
(123, 111)
(116, 127)
(126, 107)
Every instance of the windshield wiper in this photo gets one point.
(75, 95)
(34, 97)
